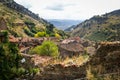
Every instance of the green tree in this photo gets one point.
(48, 48)
(9, 60)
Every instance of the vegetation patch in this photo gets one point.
(48, 48)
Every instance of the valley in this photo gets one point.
(64, 24)
(33, 48)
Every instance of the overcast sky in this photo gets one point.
(70, 9)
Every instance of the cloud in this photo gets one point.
(57, 7)
(70, 9)
(25, 3)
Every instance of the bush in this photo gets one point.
(35, 50)
(34, 70)
(41, 34)
(9, 61)
(28, 32)
(57, 35)
(29, 23)
(48, 48)
(14, 33)
(5, 34)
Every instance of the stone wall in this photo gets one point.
(106, 59)
(60, 72)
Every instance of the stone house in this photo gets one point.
(70, 49)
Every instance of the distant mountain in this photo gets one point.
(100, 28)
(63, 24)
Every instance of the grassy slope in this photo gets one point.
(100, 28)
(12, 16)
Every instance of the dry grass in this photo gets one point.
(94, 73)
(90, 76)
(75, 60)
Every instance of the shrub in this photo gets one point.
(35, 50)
(48, 48)
(57, 35)
(34, 30)
(14, 33)
(28, 32)
(40, 34)
(34, 70)
(9, 61)
(5, 34)
(29, 23)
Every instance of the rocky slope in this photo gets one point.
(100, 28)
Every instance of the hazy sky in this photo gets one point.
(70, 9)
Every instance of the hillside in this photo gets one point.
(33, 49)
(100, 28)
(21, 22)
(63, 24)
(70, 28)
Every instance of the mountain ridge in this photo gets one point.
(100, 28)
